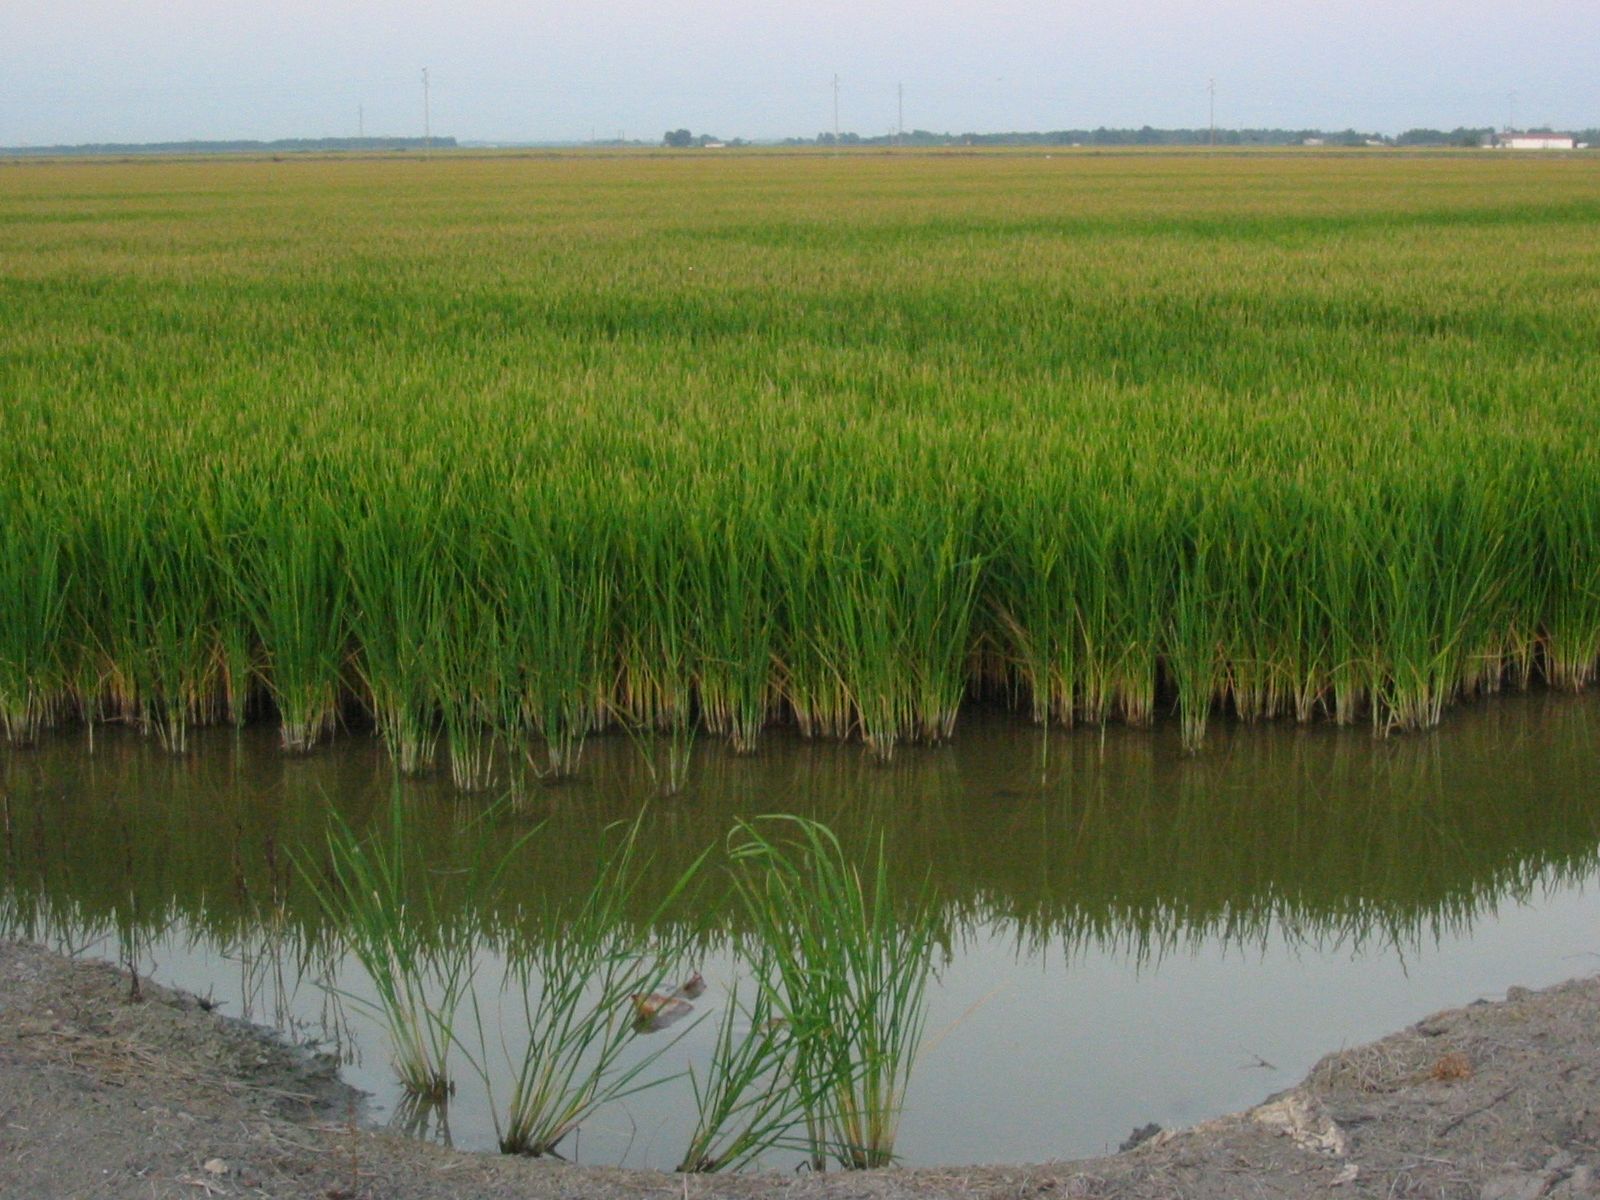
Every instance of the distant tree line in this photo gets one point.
(1460, 136)
(282, 145)
(1482, 136)
(1149, 136)
(1144, 136)
(682, 139)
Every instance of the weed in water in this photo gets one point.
(573, 984)
(750, 1099)
(850, 975)
(392, 914)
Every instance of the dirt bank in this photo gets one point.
(100, 1097)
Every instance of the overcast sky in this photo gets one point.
(514, 70)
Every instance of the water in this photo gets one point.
(1127, 933)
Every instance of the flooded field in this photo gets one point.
(1125, 932)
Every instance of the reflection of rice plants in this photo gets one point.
(424, 1118)
(850, 977)
(576, 984)
(666, 757)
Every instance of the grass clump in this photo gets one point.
(750, 1100)
(575, 988)
(416, 949)
(849, 974)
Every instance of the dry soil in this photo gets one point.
(101, 1096)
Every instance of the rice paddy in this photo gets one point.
(496, 453)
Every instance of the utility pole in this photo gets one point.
(836, 110)
(1211, 88)
(1511, 113)
(427, 116)
(361, 120)
(900, 125)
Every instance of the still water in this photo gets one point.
(1126, 933)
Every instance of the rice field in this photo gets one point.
(495, 453)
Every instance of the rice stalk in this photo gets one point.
(574, 985)
(851, 972)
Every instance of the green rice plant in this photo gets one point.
(886, 590)
(1113, 567)
(666, 757)
(1036, 581)
(558, 625)
(370, 905)
(394, 918)
(288, 574)
(238, 666)
(858, 590)
(1571, 552)
(703, 460)
(577, 983)
(391, 555)
(1345, 573)
(468, 668)
(1500, 631)
(938, 602)
(1298, 641)
(656, 688)
(222, 511)
(851, 969)
(1437, 573)
(32, 683)
(150, 598)
(731, 588)
(1193, 645)
(656, 615)
(751, 1100)
(471, 695)
(1254, 670)
(805, 548)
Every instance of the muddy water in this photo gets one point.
(1128, 934)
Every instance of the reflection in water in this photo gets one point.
(423, 1117)
(1072, 840)
(1091, 847)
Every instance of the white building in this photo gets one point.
(1536, 141)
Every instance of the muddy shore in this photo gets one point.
(100, 1097)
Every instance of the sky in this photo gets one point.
(540, 70)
